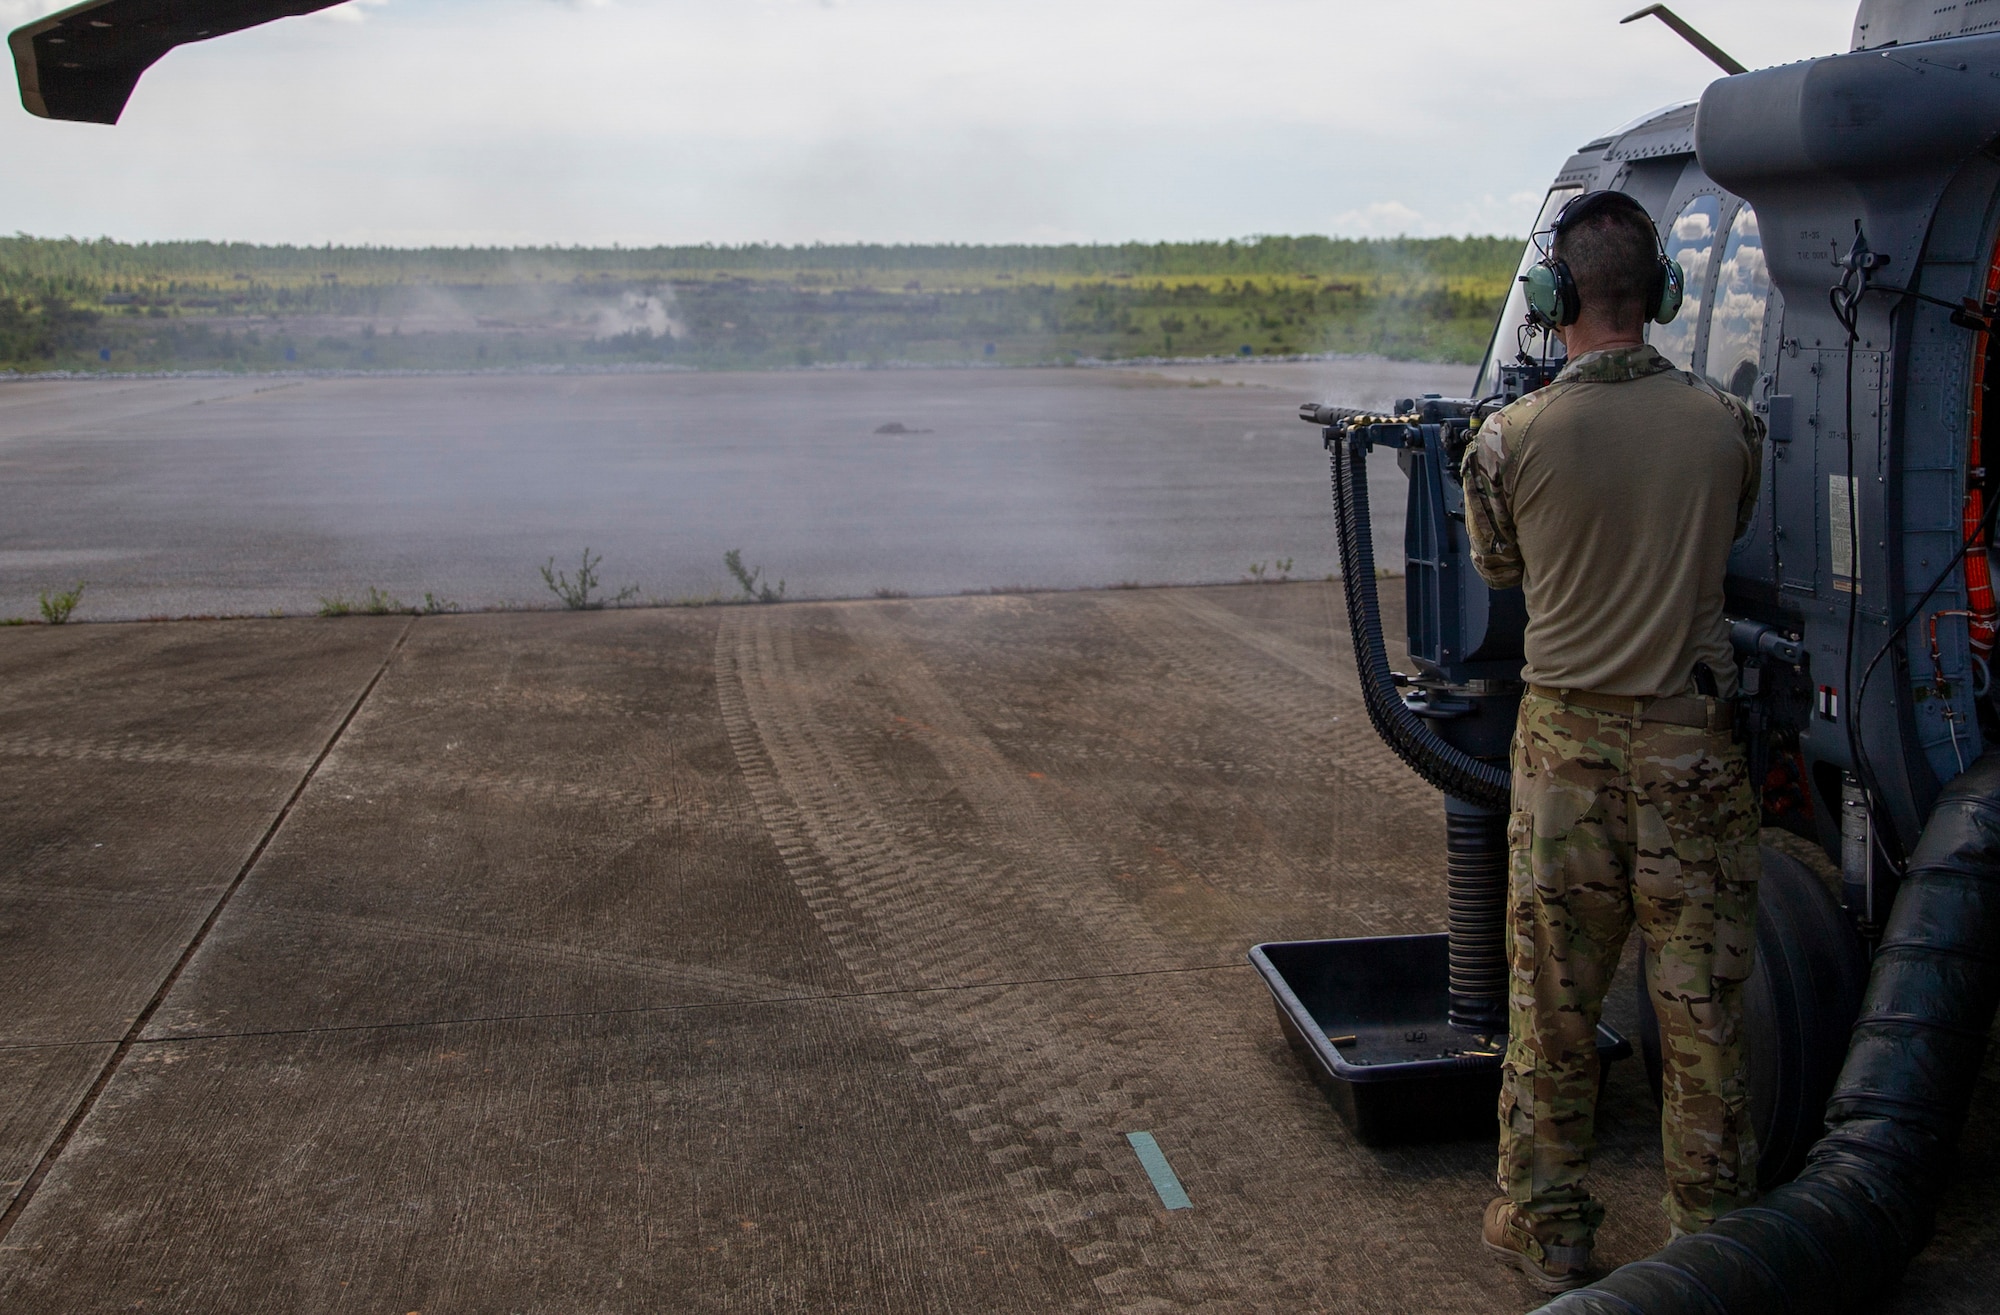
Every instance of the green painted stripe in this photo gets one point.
(1154, 1161)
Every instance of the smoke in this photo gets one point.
(430, 307)
(651, 313)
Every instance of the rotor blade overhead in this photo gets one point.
(1716, 55)
(83, 62)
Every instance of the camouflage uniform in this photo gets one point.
(1615, 820)
(1618, 819)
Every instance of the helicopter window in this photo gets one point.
(1506, 337)
(1736, 321)
(1691, 241)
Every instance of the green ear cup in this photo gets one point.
(1543, 299)
(1673, 290)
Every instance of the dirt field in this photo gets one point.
(800, 958)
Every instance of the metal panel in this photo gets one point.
(1795, 486)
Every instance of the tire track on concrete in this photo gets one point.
(1067, 874)
(1299, 714)
(1315, 704)
(718, 985)
(1207, 908)
(348, 776)
(1272, 731)
(899, 908)
(150, 753)
(1312, 720)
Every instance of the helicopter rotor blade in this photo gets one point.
(1688, 34)
(82, 63)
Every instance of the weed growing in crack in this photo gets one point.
(577, 595)
(57, 606)
(377, 603)
(748, 580)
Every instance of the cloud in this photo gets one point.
(354, 11)
(1381, 219)
(648, 121)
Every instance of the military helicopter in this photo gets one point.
(1838, 225)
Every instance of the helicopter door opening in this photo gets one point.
(1508, 334)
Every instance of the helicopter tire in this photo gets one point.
(1799, 1006)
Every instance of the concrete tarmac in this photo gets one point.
(245, 496)
(813, 957)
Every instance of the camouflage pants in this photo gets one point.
(1615, 822)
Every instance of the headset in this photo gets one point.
(1552, 294)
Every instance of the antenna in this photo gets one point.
(1689, 35)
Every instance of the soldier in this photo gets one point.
(1612, 497)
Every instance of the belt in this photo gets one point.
(1698, 711)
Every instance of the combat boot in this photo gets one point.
(1549, 1267)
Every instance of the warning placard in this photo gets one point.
(1843, 529)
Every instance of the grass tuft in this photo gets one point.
(377, 603)
(57, 606)
(581, 594)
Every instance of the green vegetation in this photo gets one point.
(111, 306)
(581, 594)
(378, 602)
(57, 606)
(748, 580)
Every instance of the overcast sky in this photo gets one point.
(671, 121)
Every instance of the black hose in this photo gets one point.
(1475, 878)
(1836, 1238)
(1444, 765)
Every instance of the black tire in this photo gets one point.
(1799, 1006)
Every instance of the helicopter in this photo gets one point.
(1837, 221)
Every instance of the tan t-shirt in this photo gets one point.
(1612, 498)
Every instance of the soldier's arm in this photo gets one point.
(1489, 520)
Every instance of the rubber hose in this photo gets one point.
(1838, 1237)
(1475, 866)
(1444, 765)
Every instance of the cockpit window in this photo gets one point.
(1736, 324)
(1691, 242)
(1506, 336)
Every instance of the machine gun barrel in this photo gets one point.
(1319, 413)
